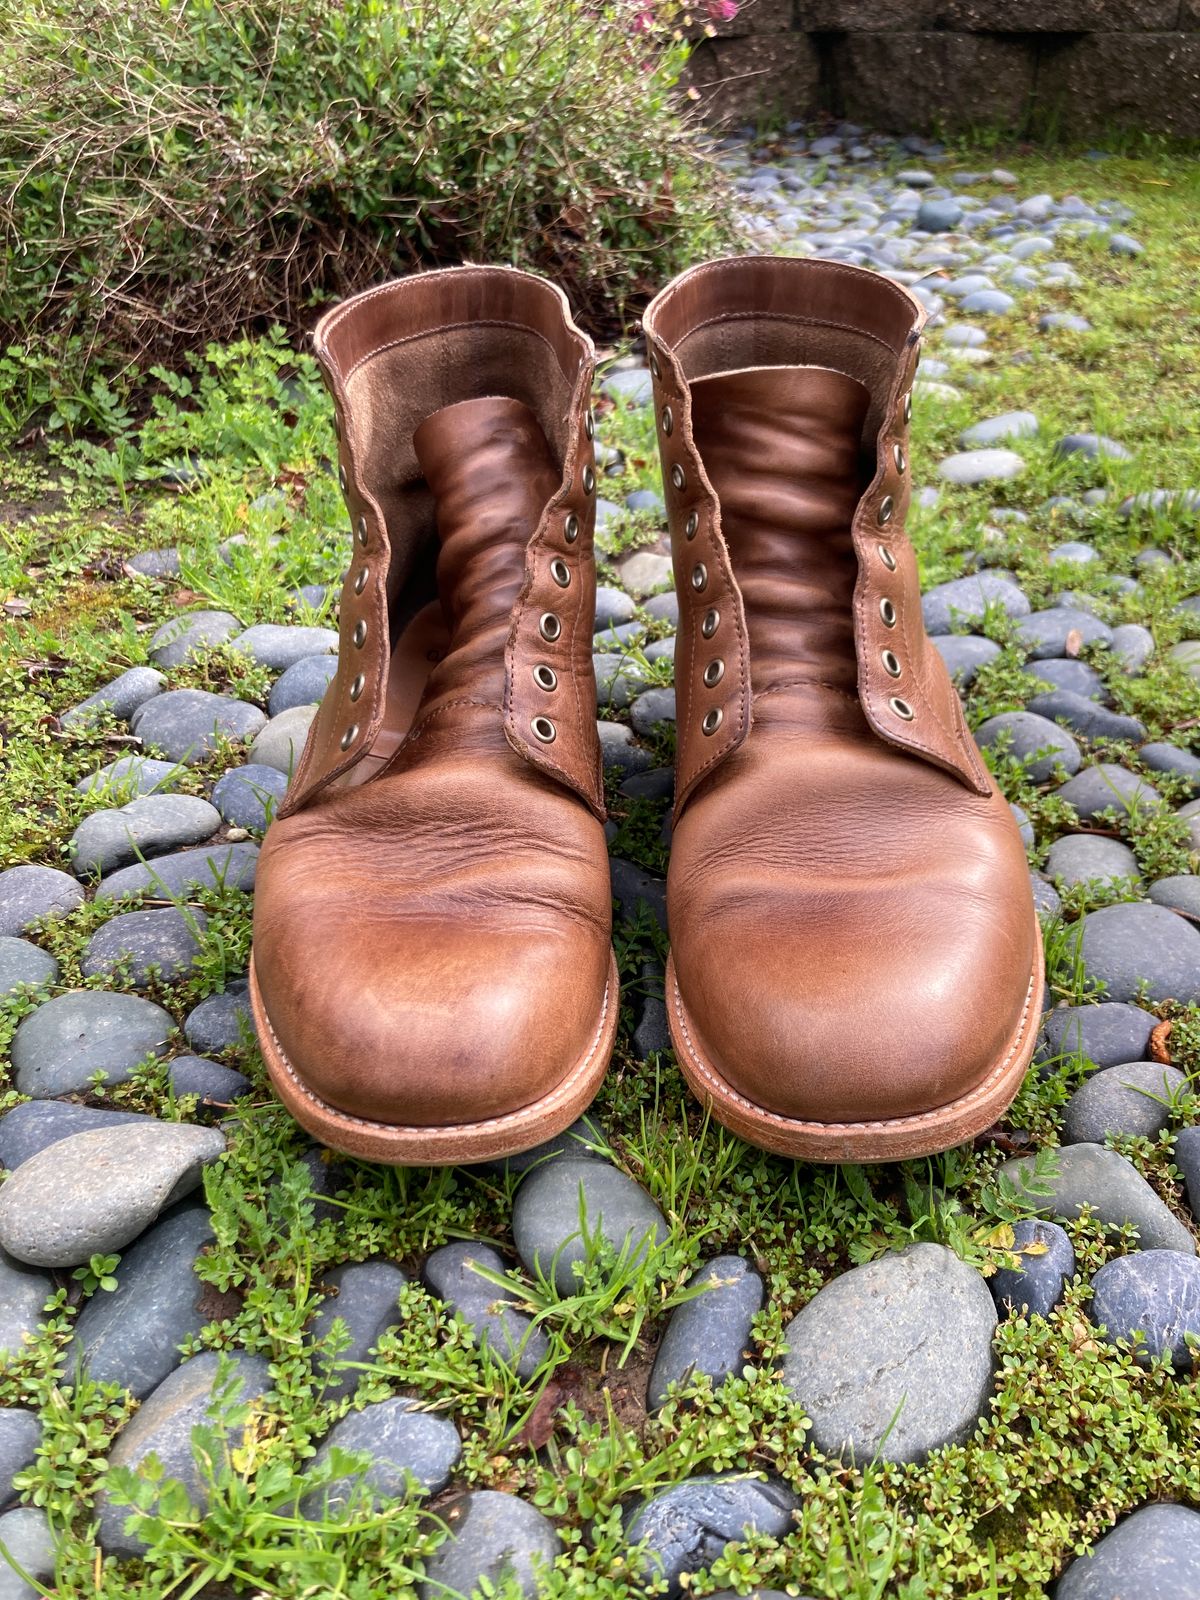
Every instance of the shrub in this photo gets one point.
(176, 171)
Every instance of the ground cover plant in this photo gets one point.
(222, 499)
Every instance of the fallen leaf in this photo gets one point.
(1160, 1050)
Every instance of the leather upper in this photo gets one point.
(757, 312)
(852, 928)
(433, 904)
(391, 357)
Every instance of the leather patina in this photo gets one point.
(856, 967)
(432, 971)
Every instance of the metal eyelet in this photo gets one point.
(901, 708)
(337, 425)
(692, 523)
(342, 479)
(589, 423)
(359, 635)
(699, 577)
(349, 736)
(886, 508)
(560, 572)
(589, 479)
(544, 730)
(362, 532)
(888, 612)
(571, 528)
(667, 419)
(886, 556)
(907, 409)
(712, 720)
(545, 677)
(357, 687)
(655, 369)
(678, 477)
(713, 673)
(712, 621)
(891, 663)
(360, 581)
(550, 627)
(899, 457)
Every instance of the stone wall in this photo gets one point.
(1078, 67)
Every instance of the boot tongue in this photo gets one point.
(782, 447)
(491, 472)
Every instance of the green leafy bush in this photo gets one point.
(172, 174)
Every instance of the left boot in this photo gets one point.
(856, 966)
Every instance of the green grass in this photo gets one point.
(1078, 1433)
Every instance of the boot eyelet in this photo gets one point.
(668, 420)
(362, 532)
(560, 572)
(360, 581)
(337, 424)
(546, 678)
(888, 612)
(342, 479)
(901, 708)
(899, 457)
(891, 663)
(544, 730)
(589, 423)
(589, 479)
(908, 406)
(692, 523)
(349, 736)
(886, 556)
(360, 634)
(550, 626)
(886, 508)
(712, 621)
(357, 687)
(678, 477)
(712, 721)
(713, 673)
(655, 369)
(699, 577)
(571, 528)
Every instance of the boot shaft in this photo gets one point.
(478, 377)
(768, 323)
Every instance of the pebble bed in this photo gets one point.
(891, 1359)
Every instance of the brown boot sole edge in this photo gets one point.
(404, 1145)
(922, 1134)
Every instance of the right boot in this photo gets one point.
(432, 975)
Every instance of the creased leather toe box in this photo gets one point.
(426, 987)
(834, 972)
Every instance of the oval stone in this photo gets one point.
(493, 1536)
(894, 1358)
(1155, 1293)
(94, 1192)
(548, 1227)
(1152, 1555)
(1134, 1099)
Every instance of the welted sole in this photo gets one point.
(897, 1139)
(404, 1145)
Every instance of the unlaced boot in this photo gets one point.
(432, 975)
(856, 969)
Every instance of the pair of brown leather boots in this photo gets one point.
(855, 967)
